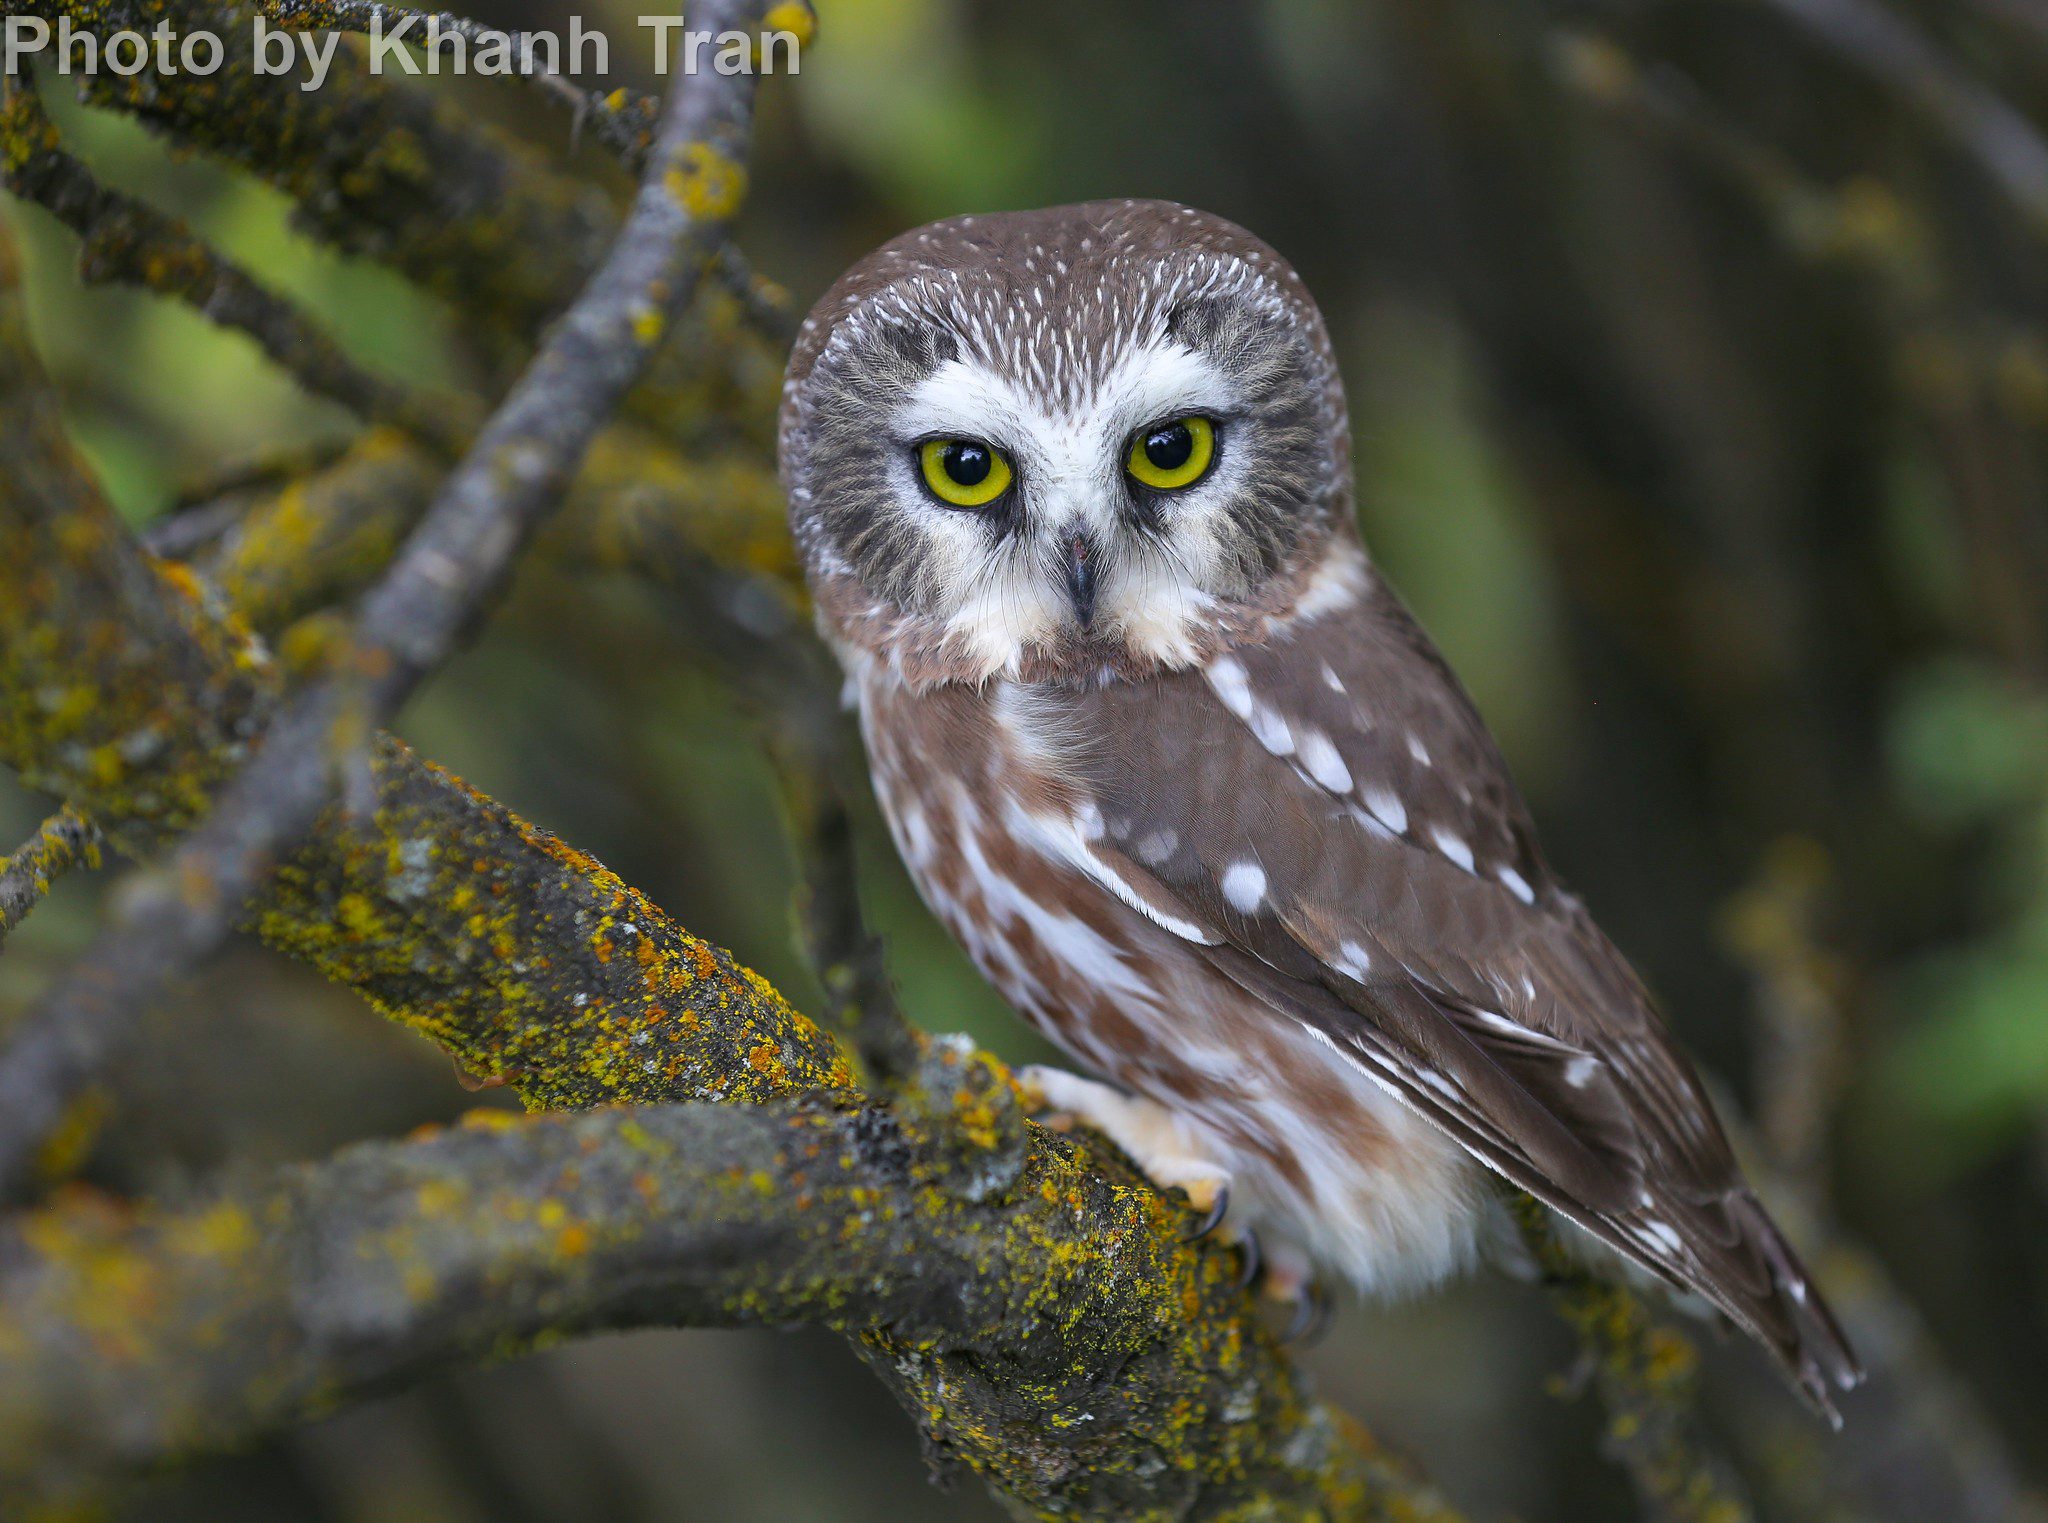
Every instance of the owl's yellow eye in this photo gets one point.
(1169, 456)
(964, 472)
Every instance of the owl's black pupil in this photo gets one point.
(967, 465)
(1171, 447)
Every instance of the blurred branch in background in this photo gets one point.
(124, 241)
(67, 839)
(1646, 1373)
(1759, 342)
(442, 579)
(1877, 38)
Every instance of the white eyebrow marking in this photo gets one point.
(1244, 885)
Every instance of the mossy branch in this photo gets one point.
(123, 241)
(67, 839)
(376, 169)
(622, 120)
(1042, 1315)
(441, 581)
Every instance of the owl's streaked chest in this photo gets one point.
(965, 786)
(977, 785)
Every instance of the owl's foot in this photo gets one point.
(1158, 1141)
(1313, 1310)
(1290, 1284)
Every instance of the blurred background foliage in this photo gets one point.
(1697, 358)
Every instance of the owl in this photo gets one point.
(1072, 489)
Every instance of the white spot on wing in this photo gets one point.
(1453, 847)
(1417, 749)
(1320, 757)
(1272, 730)
(1516, 884)
(1664, 1237)
(1157, 847)
(1387, 809)
(1353, 961)
(1228, 678)
(1067, 840)
(1244, 885)
(1578, 1073)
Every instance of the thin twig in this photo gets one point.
(124, 242)
(209, 507)
(624, 121)
(67, 839)
(376, 169)
(447, 574)
(766, 653)
(766, 303)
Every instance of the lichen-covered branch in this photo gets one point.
(422, 899)
(117, 674)
(623, 120)
(122, 241)
(375, 168)
(447, 572)
(67, 839)
(1060, 1340)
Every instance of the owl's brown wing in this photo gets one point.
(1327, 818)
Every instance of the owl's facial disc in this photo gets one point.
(1080, 451)
(1113, 513)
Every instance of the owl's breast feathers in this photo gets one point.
(1322, 820)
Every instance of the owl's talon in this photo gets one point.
(1254, 1259)
(1212, 1218)
(1311, 1319)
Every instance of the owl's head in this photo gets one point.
(1097, 438)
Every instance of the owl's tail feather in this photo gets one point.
(1815, 1352)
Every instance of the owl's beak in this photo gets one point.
(1081, 558)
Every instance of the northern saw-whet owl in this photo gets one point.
(1073, 491)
